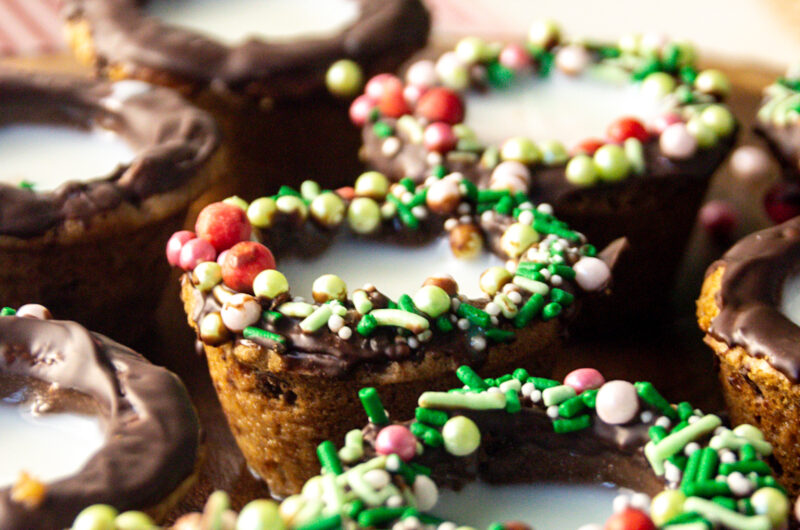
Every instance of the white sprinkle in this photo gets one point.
(493, 390)
(527, 389)
(450, 224)
(552, 411)
(641, 501)
(487, 216)
(526, 217)
(345, 333)
(478, 343)
(463, 209)
(495, 320)
(726, 456)
(690, 448)
(377, 478)
(556, 280)
(447, 526)
(527, 205)
(420, 212)
(621, 502)
(664, 422)
(463, 324)
(335, 323)
(515, 297)
(406, 196)
(545, 273)
(536, 396)
(413, 343)
(693, 419)
(739, 485)
(545, 208)
(394, 501)
(390, 146)
(464, 219)
(646, 416)
(430, 180)
(672, 472)
(455, 303)
(511, 266)
(433, 158)
(492, 308)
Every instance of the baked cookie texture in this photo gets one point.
(754, 343)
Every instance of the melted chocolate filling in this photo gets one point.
(152, 432)
(172, 141)
(121, 33)
(750, 296)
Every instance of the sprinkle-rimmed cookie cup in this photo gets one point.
(286, 368)
(63, 234)
(748, 310)
(777, 122)
(269, 93)
(149, 435)
(539, 117)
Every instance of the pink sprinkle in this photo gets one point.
(175, 244)
(378, 85)
(195, 252)
(584, 379)
(665, 120)
(360, 109)
(515, 57)
(439, 136)
(396, 439)
(221, 257)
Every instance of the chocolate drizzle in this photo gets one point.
(750, 296)
(152, 435)
(123, 34)
(172, 141)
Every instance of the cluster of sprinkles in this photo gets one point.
(547, 263)
(427, 110)
(781, 105)
(714, 477)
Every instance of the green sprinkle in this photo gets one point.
(726, 502)
(527, 267)
(726, 518)
(685, 410)
(498, 75)
(419, 198)
(496, 526)
(680, 426)
(683, 518)
(428, 435)
(589, 397)
(492, 195)
(26, 185)
(505, 205)
(271, 316)
(468, 376)
(512, 401)
(361, 302)
(371, 402)
(323, 523)
(657, 433)
(439, 171)
(542, 383)
(470, 189)
(352, 509)
(490, 382)
(533, 275)
(676, 441)
(562, 297)
(521, 375)
(443, 324)
(746, 506)
(747, 452)
(382, 129)
(8, 312)
(437, 418)
(550, 311)
(470, 401)
(475, 316)
(571, 407)
(379, 516)
(406, 304)
(419, 469)
(571, 425)
(588, 250)
(366, 325)
(707, 469)
(688, 74)
(329, 458)
(532, 286)
(529, 310)
(565, 271)
(706, 488)
(395, 464)
(648, 393)
(286, 190)
(749, 466)
(499, 335)
(557, 394)
(503, 378)
(252, 332)
(316, 320)
(650, 66)
(407, 218)
(690, 472)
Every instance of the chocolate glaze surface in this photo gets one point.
(750, 296)
(172, 140)
(121, 33)
(152, 433)
(784, 142)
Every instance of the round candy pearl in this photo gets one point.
(260, 514)
(625, 128)
(360, 109)
(544, 33)
(261, 212)
(364, 215)
(291, 205)
(133, 520)
(611, 162)
(772, 503)
(520, 149)
(452, 72)
(207, 275)
(461, 436)
(470, 50)
(718, 218)
(515, 57)
(422, 74)
(236, 201)
(95, 517)
(589, 146)
(705, 135)
(782, 201)
(327, 209)
(581, 171)
(517, 239)
(270, 283)
(591, 274)
(223, 225)
(553, 152)
(751, 432)
(432, 300)
(212, 329)
(195, 252)
(380, 84)
(239, 311)
(328, 287)
(719, 119)
(396, 439)
(666, 505)
(572, 59)
(617, 402)
(493, 279)
(439, 136)
(372, 184)
(584, 379)
(713, 82)
(413, 93)
(344, 78)
(443, 196)
(629, 519)
(657, 85)
(34, 311)
(242, 264)
(426, 492)
(510, 175)
(677, 142)
(175, 244)
(749, 162)
(441, 104)
(665, 120)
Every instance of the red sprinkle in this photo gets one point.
(782, 202)
(347, 193)
(194, 252)
(242, 264)
(629, 519)
(223, 225)
(441, 104)
(380, 84)
(719, 218)
(625, 128)
(588, 147)
(439, 136)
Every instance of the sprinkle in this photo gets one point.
(707, 469)
(366, 325)
(437, 418)
(324, 523)
(721, 516)
(747, 452)
(446, 400)
(476, 317)
(512, 402)
(542, 383)
(316, 320)
(684, 410)
(557, 394)
(407, 218)
(499, 335)
(571, 425)
(252, 332)
(428, 435)
(706, 488)
(371, 402)
(531, 308)
(361, 302)
(379, 516)
(399, 318)
(7, 312)
(560, 296)
(676, 441)
(648, 393)
(296, 309)
(443, 324)
(750, 466)
(468, 376)
(571, 407)
(328, 458)
(590, 397)
(532, 286)
(521, 375)
(551, 310)
(382, 129)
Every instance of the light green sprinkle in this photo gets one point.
(353, 446)
(635, 155)
(401, 319)
(317, 319)
(332, 495)
(296, 309)
(557, 395)
(446, 400)
(531, 286)
(676, 441)
(719, 515)
(729, 440)
(361, 302)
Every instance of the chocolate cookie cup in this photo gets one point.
(268, 94)
(621, 139)
(747, 309)
(63, 232)
(150, 434)
(777, 123)
(286, 368)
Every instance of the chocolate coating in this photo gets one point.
(171, 139)
(122, 33)
(152, 435)
(750, 296)
(784, 142)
